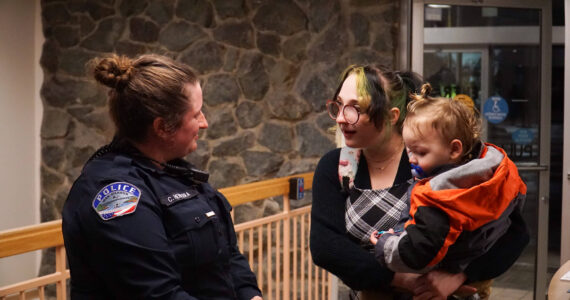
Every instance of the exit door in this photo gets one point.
(497, 54)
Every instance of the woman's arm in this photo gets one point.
(439, 284)
(330, 246)
(406, 282)
(243, 277)
(130, 253)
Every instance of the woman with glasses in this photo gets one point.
(361, 188)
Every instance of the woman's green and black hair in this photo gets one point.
(380, 89)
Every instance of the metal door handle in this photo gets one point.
(533, 168)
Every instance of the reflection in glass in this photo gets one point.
(515, 76)
(453, 73)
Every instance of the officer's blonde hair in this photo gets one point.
(143, 89)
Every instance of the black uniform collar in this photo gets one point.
(176, 167)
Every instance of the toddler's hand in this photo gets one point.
(373, 238)
(376, 235)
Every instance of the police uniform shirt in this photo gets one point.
(176, 241)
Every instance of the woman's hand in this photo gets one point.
(257, 298)
(405, 281)
(439, 284)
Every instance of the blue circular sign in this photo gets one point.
(523, 136)
(495, 109)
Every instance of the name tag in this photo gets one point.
(174, 198)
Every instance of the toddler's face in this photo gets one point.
(427, 148)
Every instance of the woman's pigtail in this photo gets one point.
(412, 83)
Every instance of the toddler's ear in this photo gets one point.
(456, 149)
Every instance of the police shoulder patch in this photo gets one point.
(116, 199)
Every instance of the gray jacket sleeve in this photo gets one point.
(387, 253)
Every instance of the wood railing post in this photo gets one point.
(303, 252)
(269, 264)
(60, 267)
(333, 287)
(286, 248)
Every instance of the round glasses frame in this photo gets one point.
(350, 112)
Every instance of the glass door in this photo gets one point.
(454, 72)
(458, 72)
(497, 54)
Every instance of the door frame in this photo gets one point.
(565, 239)
(545, 7)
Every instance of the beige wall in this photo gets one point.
(565, 246)
(20, 116)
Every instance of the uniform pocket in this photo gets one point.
(192, 226)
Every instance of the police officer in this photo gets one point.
(140, 222)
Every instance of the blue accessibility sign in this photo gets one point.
(495, 109)
(523, 136)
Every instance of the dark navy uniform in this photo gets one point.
(134, 231)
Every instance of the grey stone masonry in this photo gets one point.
(266, 67)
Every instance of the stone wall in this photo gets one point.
(266, 66)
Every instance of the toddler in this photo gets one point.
(465, 193)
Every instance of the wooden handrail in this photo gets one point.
(48, 234)
(284, 231)
(244, 193)
(38, 281)
(30, 238)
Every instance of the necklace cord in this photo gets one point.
(386, 162)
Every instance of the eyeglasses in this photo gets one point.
(350, 112)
